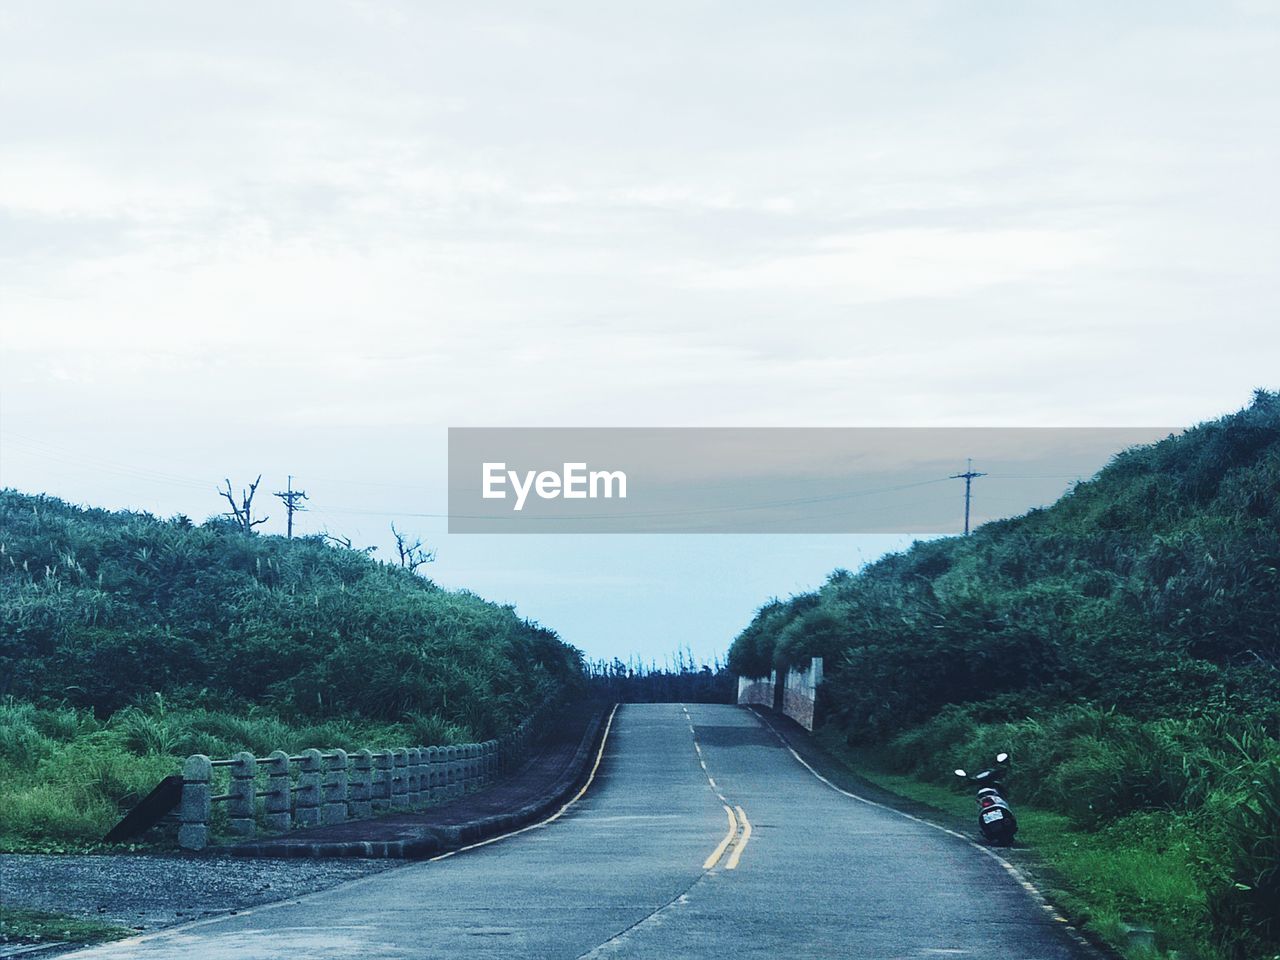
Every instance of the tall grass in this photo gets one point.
(67, 777)
(1202, 790)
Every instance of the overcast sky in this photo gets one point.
(307, 238)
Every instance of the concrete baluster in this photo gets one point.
(399, 781)
(276, 801)
(417, 777)
(335, 789)
(362, 785)
(307, 796)
(451, 768)
(410, 776)
(424, 777)
(196, 805)
(435, 769)
(243, 795)
(384, 768)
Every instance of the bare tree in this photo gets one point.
(412, 555)
(242, 514)
(345, 543)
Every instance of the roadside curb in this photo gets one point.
(437, 839)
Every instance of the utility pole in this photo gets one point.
(968, 477)
(292, 503)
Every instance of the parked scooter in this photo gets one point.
(995, 816)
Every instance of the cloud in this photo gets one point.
(911, 263)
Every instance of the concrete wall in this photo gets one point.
(758, 692)
(799, 694)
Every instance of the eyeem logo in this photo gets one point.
(575, 482)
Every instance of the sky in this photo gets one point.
(308, 238)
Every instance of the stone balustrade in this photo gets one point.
(280, 792)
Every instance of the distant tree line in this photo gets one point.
(681, 679)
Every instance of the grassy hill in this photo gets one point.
(1122, 643)
(126, 640)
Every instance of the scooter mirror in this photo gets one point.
(961, 773)
(1001, 757)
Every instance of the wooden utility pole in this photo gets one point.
(292, 503)
(968, 478)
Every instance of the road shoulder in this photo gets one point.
(1024, 862)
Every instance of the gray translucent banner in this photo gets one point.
(765, 480)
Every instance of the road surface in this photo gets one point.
(700, 836)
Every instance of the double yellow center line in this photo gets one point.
(739, 832)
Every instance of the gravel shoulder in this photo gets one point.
(143, 892)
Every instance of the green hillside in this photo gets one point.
(128, 641)
(100, 608)
(1123, 643)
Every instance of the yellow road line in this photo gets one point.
(718, 852)
(732, 863)
(555, 816)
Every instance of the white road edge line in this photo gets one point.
(1013, 871)
(111, 949)
(555, 816)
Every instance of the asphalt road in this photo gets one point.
(649, 863)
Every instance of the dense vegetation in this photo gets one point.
(1124, 641)
(128, 641)
(100, 608)
(65, 774)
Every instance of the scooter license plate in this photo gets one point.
(991, 816)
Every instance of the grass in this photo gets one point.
(18, 926)
(67, 777)
(1143, 870)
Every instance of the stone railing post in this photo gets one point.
(307, 795)
(335, 789)
(241, 819)
(435, 769)
(410, 776)
(382, 773)
(400, 778)
(417, 776)
(276, 805)
(196, 805)
(473, 767)
(454, 788)
(362, 785)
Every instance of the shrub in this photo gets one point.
(1246, 908)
